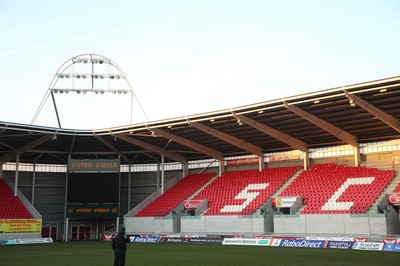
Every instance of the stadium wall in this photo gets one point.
(342, 224)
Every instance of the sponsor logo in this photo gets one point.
(247, 241)
(144, 239)
(276, 242)
(107, 237)
(394, 198)
(391, 240)
(340, 244)
(264, 242)
(175, 240)
(206, 240)
(360, 239)
(193, 204)
(392, 247)
(242, 161)
(367, 246)
(283, 202)
(302, 243)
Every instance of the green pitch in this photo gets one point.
(97, 254)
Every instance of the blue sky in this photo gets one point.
(188, 57)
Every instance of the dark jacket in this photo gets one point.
(119, 243)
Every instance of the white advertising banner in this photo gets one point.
(368, 246)
(247, 242)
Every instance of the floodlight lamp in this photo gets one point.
(101, 61)
(96, 76)
(112, 76)
(55, 91)
(61, 76)
(78, 92)
(101, 92)
(67, 76)
(78, 76)
(101, 76)
(85, 61)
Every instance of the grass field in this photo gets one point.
(96, 253)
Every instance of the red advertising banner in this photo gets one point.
(234, 162)
(394, 199)
(193, 204)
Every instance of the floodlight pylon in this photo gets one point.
(87, 81)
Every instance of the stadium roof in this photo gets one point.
(358, 113)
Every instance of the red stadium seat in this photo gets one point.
(243, 192)
(10, 206)
(164, 204)
(331, 188)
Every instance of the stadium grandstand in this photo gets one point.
(321, 163)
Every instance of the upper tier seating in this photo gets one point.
(331, 188)
(242, 192)
(10, 206)
(164, 204)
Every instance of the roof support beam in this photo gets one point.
(331, 129)
(172, 155)
(111, 147)
(285, 138)
(230, 139)
(21, 150)
(188, 143)
(378, 113)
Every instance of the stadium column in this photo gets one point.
(158, 176)
(185, 169)
(261, 163)
(162, 174)
(357, 155)
(1, 170)
(66, 230)
(221, 166)
(33, 183)
(16, 176)
(306, 160)
(129, 186)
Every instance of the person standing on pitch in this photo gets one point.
(119, 246)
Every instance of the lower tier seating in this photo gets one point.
(331, 188)
(10, 206)
(164, 204)
(243, 192)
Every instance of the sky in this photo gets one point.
(185, 57)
